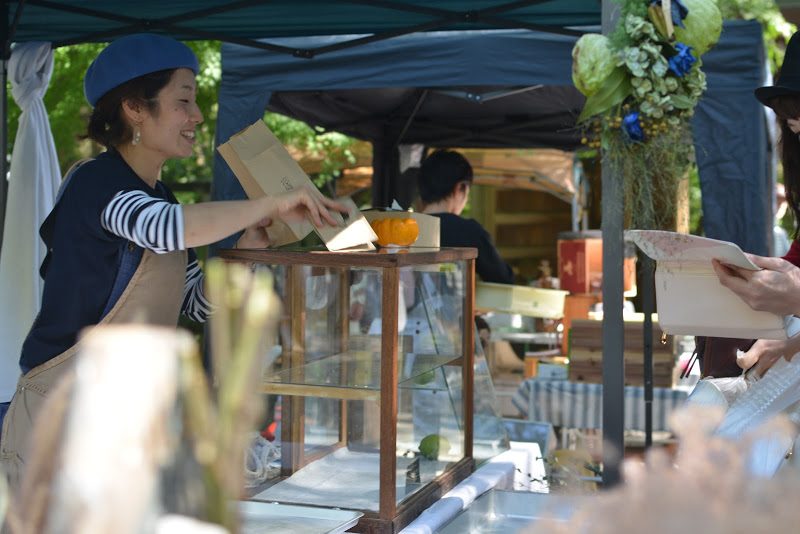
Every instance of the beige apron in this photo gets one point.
(153, 295)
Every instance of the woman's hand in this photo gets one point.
(765, 352)
(255, 236)
(207, 222)
(776, 288)
(302, 203)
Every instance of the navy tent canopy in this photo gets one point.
(497, 89)
(480, 89)
(732, 143)
(79, 21)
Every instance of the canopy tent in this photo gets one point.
(506, 88)
(72, 21)
(64, 22)
(732, 142)
(394, 92)
(383, 93)
(79, 21)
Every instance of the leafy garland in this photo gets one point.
(642, 84)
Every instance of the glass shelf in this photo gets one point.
(356, 375)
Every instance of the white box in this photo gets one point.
(429, 232)
(524, 300)
(690, 299)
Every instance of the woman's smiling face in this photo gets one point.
(170, 129)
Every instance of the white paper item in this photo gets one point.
(690, 299)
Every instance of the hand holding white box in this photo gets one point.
(690, 298)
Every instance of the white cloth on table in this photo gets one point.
(514, 469)
(580, 404)
(34, 177)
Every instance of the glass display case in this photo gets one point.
(374, 381)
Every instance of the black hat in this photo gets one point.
(789, 81)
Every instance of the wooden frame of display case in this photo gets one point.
(390, 517)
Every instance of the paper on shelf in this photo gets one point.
(690, 299)
(264, 167)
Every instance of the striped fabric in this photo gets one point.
(580, 405)
(157, 225)
(195, 306)
(149, 222)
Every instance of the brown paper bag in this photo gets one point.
(264, 167)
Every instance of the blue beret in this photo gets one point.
(132, 56)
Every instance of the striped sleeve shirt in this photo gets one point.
(157, 225)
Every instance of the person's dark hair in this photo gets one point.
(107, 125)
(788, 107)
(440, 173)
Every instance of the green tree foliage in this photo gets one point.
(777, 30)
(336, 149)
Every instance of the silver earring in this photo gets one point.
(137, 136)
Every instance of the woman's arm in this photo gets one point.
(161, 226)
(209, 222)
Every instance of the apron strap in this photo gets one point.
(129, 262)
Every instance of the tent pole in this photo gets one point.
(4, 39)
(613, 333)
(385, 172)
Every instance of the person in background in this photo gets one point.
(119, 246)
(444, 181)
(776, 288)
(780, 239)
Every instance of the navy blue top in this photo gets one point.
(456, 231)
(82, 258)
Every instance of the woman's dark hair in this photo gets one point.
(107, 124)
(440, 173)
(788, 107)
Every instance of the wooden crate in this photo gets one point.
(586, 353)
(588, 334)
(592, 372)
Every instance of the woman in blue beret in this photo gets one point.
(119, 246)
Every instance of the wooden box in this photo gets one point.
(586, 353)
(580, 266)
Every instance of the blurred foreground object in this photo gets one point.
(139, 435)
(706, 487)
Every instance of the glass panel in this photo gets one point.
(489, 436)
(429, 437)
(436, 307)
(323, 382)
(429, 433)
(346, 475)
(322, 418)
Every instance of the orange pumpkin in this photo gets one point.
(395, 231)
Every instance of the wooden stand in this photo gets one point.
(391, 516)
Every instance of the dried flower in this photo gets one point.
(681, 63)
(633, 127)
